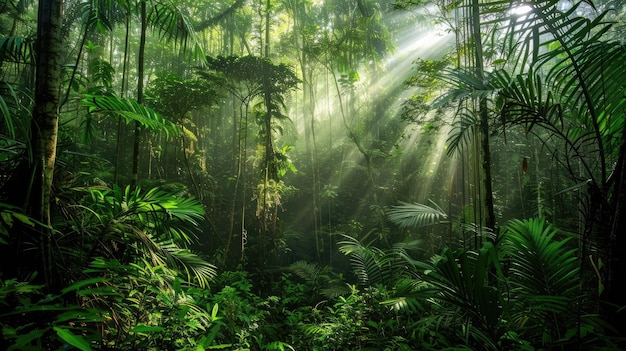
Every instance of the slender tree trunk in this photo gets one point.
(268, 10)
(140, 77)
(120, 130)
(45, 122)
(490, 222)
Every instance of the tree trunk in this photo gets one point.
(140, 76)
(45, 121)
(490, 221)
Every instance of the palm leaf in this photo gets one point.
(544, 277)
(308, 271)
(462, 282)
(130, 110)
(541, 264)
(97, 15)
(570, 85)
(172, 24)
(416, 215)
(196, 269)
(16, 49)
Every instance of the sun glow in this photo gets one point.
(417, 158)
(521, 10)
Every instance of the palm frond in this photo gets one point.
(544, 277)
(463, 132)
(96, 15)
(463, 280)
(172, 24)
(306, 270)
(15, 112)
(567, 80)
(374, 266)
(196, 269)
(540, 264)
(16, 49)
(130, 110)
(416, 215)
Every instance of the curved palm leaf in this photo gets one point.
(570, 86)
(11, 111)
(544, 278)
(541, 264)
(97, 15)
(465, 284)
(172, 24)
(153, 225)
(374, 266)
(16, 49)
(130, 110)
(416, 215)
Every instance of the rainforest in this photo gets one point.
(312, 175)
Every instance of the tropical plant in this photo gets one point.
(544, 278)
(151, 307)
(153, 225)
(473, 303)
(416, 215)
(561, 84)
(374, 266)
(517, 295)
(33, 320)
(265, 87)
(556, 76)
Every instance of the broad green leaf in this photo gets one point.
(75, 340)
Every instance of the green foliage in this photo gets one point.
(150, 307)
(416, 215)
(11, 215)
(250, 321)
(152, 225)
(136, 288)
(174, 96)
(255, 70)
(171, 22)
(128, 109)
(138, 306)
(16, 49)
(543, 275)
(32, 320)
(518, 295)
(464, 283)
(374, 266)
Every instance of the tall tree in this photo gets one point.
(45, 123)
(140, 82)
(483, 113)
